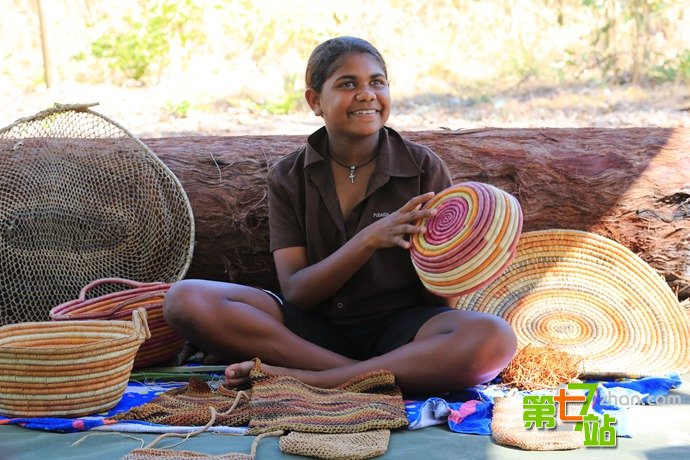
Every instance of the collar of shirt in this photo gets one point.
(391, 141)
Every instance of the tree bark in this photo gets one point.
(630, 184)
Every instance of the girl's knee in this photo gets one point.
(181, 302)
(484, 347)
(498, 343)
(190, 303)
(504, 335)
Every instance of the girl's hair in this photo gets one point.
(325, 58)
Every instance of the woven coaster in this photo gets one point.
(592, 297)
(508, 429)
(469, 241)
(346, 446)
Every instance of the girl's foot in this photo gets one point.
(237, 374)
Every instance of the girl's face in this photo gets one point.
(355, 100)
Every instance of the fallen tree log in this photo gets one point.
(630, 184)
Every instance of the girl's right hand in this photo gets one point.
(393, 230)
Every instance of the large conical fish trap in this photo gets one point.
(83, 199)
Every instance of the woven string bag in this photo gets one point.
(164, 344)
(67, 368)
(151, 452)
(343, 446)
(83, 199)
(592, 297)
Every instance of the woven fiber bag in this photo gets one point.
(592, 297)
(82, 199)
(508, 429)
(164, 344)
(67, 368)
(342, 446)
(150, 452)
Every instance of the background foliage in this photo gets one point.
(254, 52)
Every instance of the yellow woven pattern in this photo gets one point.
(592, 297)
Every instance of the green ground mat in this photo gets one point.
(662, 431)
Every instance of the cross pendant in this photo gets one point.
(352, 174)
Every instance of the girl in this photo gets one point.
(341, 210)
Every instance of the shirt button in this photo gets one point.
(340, 305)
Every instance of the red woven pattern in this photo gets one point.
(164, 344)
(470, 240)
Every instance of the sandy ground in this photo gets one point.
(147, 112)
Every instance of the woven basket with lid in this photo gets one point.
(67, 368)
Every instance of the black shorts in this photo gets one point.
(362, 340)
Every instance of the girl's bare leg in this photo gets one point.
(236, 322)
(453, 350)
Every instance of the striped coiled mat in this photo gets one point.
(592, 297)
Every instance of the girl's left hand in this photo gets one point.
(393, 229)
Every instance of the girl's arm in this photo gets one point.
(306, 285)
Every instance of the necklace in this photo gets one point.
(352, 168)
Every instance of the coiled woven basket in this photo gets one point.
(469, 241)
(67, 368)
(589, 296)
(164, 344)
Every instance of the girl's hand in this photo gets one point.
(393, 229)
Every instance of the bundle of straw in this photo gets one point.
(537, 368)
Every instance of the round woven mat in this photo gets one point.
(592, 297)
(469, 241)
(83, 199)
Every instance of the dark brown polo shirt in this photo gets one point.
(304, 211)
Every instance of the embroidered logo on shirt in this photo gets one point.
(378, 215)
